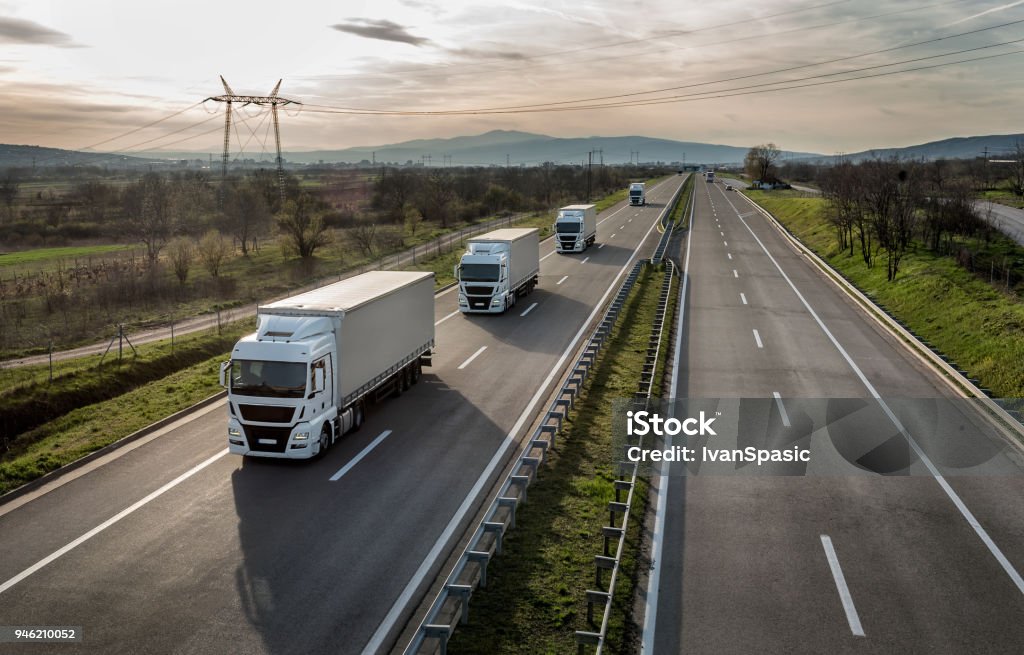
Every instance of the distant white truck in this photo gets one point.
(575, 228)
(497, 268)
(709, 176)
(638, 193)
(317, 359)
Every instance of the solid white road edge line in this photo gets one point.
(844, 591)
(416, 580)
(658, 534)
(957, 501)
(111, 521)
(782, 409)
(362, 453)
(470, 359)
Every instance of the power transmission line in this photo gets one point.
(327, 109)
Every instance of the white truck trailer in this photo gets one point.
(575, 228)
(317, 359)
(638, 193)
(497, 268)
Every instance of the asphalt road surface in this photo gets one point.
(173, 546)
(889, 540)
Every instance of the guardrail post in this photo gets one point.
(498, 528)
(463, 591)
(482, 558)
(439, 632)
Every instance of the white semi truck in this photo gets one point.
(575, 228)
(318, 359)
(637, 193)
(497, 268)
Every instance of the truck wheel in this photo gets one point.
(407, 377)
(325, 440)
(357, 417)
(416, 371)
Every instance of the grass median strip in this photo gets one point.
(535, 599)
(974, 324)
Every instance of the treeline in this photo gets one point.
(445, 195)
(881, 208)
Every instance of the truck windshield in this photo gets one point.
(274, 379)
(568, 228)
(479, 272)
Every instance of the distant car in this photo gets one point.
(728, 187)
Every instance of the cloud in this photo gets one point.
(382, 30)
(19, 30)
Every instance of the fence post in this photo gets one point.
(218, 321)
(172, 336)
(51, 360)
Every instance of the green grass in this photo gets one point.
(89, 428)
(681, 212)
(67, 254)
(1003, 197)
(978, 326)
(535, 599)
(29, 399)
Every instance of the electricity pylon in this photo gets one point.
(273, 101)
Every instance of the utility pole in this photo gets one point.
(590, 164)
(507, 161)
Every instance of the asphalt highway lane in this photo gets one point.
(174, 546)
(837, 560)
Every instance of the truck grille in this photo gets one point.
(568, 241)
(253, 434)
(479, 291)
(267, 413)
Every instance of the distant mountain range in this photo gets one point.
(497, 147)
(965, 147)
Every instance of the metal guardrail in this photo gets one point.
(641, 400)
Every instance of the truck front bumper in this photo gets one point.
(494, 305)
(280, 443)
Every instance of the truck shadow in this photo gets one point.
(323, 562)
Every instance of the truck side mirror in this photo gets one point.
(319, 380)
(455, 272)
(223, 377)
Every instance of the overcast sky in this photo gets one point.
(76, 73)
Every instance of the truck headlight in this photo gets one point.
(301, 436)
(234, 432)
(496, 302)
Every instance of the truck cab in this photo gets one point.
(497, 268)
(483, 278)
(281, 388)
(575, 228)
(637, 194)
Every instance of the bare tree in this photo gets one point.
(760, 160)
(9, 185)
(394, 190)
(365, 236)
(214, 250)
(1017, 178)
(303, 225)
(147, 204)
(180, 252)
(436, 197)
(246, 213)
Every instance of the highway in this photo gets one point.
(889, 540)
(173, 546)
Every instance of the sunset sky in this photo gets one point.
(75, 74)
